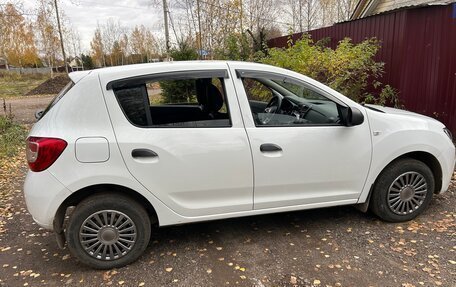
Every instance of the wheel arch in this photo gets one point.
(425, 157)
(79, 195)
(428, 159)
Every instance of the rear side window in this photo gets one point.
(188, 103)
(57, 98)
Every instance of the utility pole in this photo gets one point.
(200, 54)
(165, 15)
(61, 37)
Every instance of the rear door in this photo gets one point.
(181, 135)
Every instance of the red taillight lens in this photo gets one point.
(43, 152)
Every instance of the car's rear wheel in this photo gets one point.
(402, 191)
(108, 230)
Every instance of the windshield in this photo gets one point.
(57, 98)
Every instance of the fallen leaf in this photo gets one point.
(169, 269)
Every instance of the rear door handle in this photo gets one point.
(143, 152)
(269, 147)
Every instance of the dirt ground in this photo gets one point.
(50, 86)
(322, 247)
(24, 108)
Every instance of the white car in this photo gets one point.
(171, 143)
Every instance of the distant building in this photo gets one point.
(76, 64)
(3, 63)
(366, 8)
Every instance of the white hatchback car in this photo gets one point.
(171, 143)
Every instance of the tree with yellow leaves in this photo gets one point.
(17, 39)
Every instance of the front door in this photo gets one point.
(303, 154)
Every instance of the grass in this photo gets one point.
(15, 84)
(12, 137)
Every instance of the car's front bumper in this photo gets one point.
(43, 196)
(448, 161)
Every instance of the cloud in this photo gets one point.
(85, 15)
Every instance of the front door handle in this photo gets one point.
(269, 147)
(143, 152)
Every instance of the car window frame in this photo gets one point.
(254, 74)
(141, 80)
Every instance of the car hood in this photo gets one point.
(393, 111)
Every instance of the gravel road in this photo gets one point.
(24, 108)
(323, 247)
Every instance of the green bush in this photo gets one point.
(235, 48)
(180, 91)
(349, 69)
(12, 136)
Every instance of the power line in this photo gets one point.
(78, 3)
(17, 15)
(256, 17)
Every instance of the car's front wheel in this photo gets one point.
(402, 191)
(108, 230)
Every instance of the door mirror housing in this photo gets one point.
(351, 116)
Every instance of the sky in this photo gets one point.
(85, 14)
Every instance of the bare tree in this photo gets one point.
(48, 39)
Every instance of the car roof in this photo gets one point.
(158, 65)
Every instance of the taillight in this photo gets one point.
(43, 152)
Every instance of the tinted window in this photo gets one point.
(190, 103)
(132, 102)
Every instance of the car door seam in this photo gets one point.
(246, 133)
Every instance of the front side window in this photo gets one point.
(287, 102)
(190, 103)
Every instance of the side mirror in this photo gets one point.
(38, 114)
(352, 116)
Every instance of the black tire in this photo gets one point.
(386, 204)
(136, 228)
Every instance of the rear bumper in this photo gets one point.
(43, 196)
